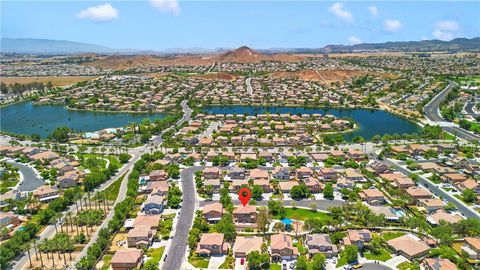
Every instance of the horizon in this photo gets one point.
(215, 25)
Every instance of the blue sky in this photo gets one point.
(160, 24)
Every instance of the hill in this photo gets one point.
(47, 46)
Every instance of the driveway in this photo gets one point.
(216, 261)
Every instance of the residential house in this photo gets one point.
(140, 237)
(419, 193)
(246, 244)
(213, 212)
(313, 184)
(281, 173)
(245, 216)
(212, 244)
(304, 172)
(438, 264)
(441, 215)
(472, 247)
(158, 175)
(46, 193)
(409, 246)
(211, 173)
(281, 246)
(127, 259)
(154, 204)
(372, 196)
(357, 237)
(321, 243)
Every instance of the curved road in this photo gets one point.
(30, 180)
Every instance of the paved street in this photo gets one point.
(249, 85)
(30, 180)
(178, 246)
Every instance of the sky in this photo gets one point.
(163, 24)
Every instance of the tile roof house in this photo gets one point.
(127, 259)
(357, 238)
(313, 184)
(419, 193)
(258, 174)
(409, 246)
(245, 216)
(46, 193)
(140, 236)
(442, 215)
(211, 173)
(158, 175)
(244, 245)
(472, 247)
(211, 244)
(321, 243)
(147, 220)
(438, 264)
(281, 246)
(372, 196)
(431, 205)
(213, 212)
(154, 204)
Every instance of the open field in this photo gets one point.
(56, 81)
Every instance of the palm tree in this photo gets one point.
(28, 247)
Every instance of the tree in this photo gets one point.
(443, 233)
(150, 265)
(351, 253)
(226, 226)
(257, 260)
(300, 191)
(302, 263)
(276, 208)
(318, 262)
(60, 134)
(257, 192)
(469, 195)
(376, 244)
(263, 219)
(328, 191)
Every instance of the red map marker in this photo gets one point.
(244, 195)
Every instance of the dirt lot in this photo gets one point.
(56, 81)
(324, 76)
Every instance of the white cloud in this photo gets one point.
(101, 13)
(392, 25)
(448, 25)
(439, 34)
(339, 11)
(168, 6)
(373, 11)
(354, 40)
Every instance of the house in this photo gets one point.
(157, 187)
(263, 183)
(213, 212)
(281, 173)
(303, 172)
(147, 220)
(258, 174)
(357, 238)
(454, 177)
(154, 204)
(244, 245)
(372, 196)
(468, 184)
(431, 205)
(9, 220)
(236, 173)
(355, 154)
(46, 155)
(285, 187)
(378, 167)
(281, 246)
(353, 175)
(408, 246)
(442, 215)
(344, 183)
(127, 259)
(419, 193)
(403, 183)
(9, 195)
(313, 184)
(140, 237)
(245, 216)
(438, 264)
(266, 155)
(211, 244)
(46, 193)
(472, 247)
(71, 179)
(321, 243)
(158, 175)
(211, 173)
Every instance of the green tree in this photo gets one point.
(257, 192)
(263, 219)
(328, 191)
(150, 265)
(257, 260)
(226, 226)
(469, 195)
(302, 263)
(60, 134)
(318, 262)
(351, 253)
(300, 191)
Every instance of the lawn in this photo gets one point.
(383, 256)
(229, 263)
(341, 261)
(156, 253)
(274, 266)
(113, 189)
(303, 214)
(392, 235)
(460, 197)
(198, 262)
(106, 262)
(405, 266)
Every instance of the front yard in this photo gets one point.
(303, 214)
(383, 256)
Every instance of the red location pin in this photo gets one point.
(244, 195)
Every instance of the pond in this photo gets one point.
(26, 118)
(371, 122)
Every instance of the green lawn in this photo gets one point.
(198, 262)
(460, 197)
(229, 263)
(156, 253)
(274, 266)
(303, 214)
(341, 261)
(392, 235)
(106, 262)
(113, 189)
(383, 256)
(405, 266)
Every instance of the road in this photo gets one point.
(248, 83)
(462, 208)
(432, 113)
(178, 246)
(322, 205)
(469, 109)
(30, 180)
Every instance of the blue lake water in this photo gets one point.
(26, 118)
(371, 122)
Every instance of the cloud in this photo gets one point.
(339, 11)
(391, 25)
(448, 25)
(167, 6)
(444, 30)
(439, 34)
(101, 13)
(354, 40)
(373, 11)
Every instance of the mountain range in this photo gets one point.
(47, 46)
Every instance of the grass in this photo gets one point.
(113, 189)
(303, 214)
(114, 160)
(383, 256)
(106, 262)
(229, 263)
(392, 235)
(460, 197)
(274, 266)
(341, 261)
(405, 266)
(156, 253)
(198, 262)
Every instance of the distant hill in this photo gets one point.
(458, 44)
(47, 46)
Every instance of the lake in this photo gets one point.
(26, 118)
(371, 122)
